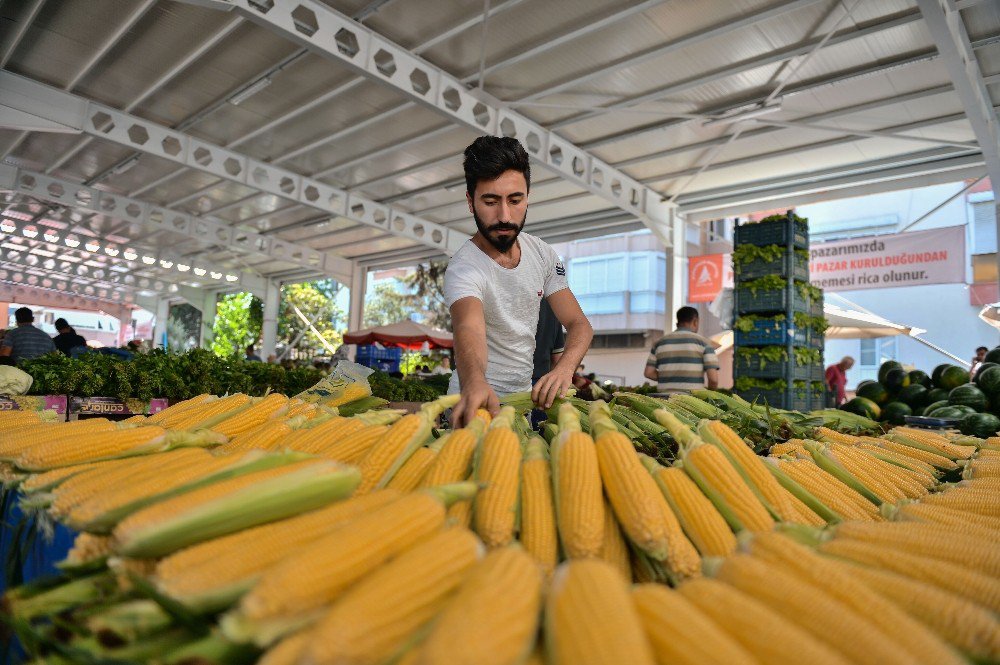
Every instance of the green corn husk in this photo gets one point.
(210, 650)
(362, 405)
(640, 403)
(251, 462)
(550, 431)
(801, 493)
(127, 622)
(290, 494)
(380, 417)
(828, 463)
(23, 605)
(697, 407)
(680, 431)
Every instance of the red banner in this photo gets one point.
(708, 275)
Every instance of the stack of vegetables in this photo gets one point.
(946, 393)
(272, 530)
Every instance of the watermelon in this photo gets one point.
(963, 409)
(988, 380)
(874, 391)
(896, 412)
(993, 356)
(895, 380)
(919, 377)
(953, 377)
(945, 412)
(863, 383)
(968, 395)
(862, 407)
(915, 395)
(929, 409)
(938, 395)
(983, 425)
(981, 366)
(887, 367)
(936, 374)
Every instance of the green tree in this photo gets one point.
(239, 318)
(317, 302)
(387, 305)
(183, 326)
(426, 286)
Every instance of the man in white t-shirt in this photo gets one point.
(494, 286)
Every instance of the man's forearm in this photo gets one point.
(470, 356)
(578, 338)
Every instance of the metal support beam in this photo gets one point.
(162, 313)
(676, 272)
(269, 329)
(358, 285)
(24, 293)
(336, 36)
(145, 136)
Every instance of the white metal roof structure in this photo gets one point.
(160, 146)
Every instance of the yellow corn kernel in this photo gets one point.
(392, 450)
(412, 472)
(710, 469)
(13, 444)
(266, 437)
(965, 625)
(838, 497)
(538, 519)
(894, 482)
(351, 392)
(254, 416)
(362, 628)
(806, 565)
(765, 634)
(921, 471)
(788, 448)
(697, 640)
(325, 434)
(460, 514)
(179, 407)
(813, 609)
(971, 584)
(590, 618)
(289, 650)
(578, 495)
(702, 523)
(209, 413)
(937, 461)
(493, 618)
(454, 461)
(47, 480)
(91, 447)
(828, 435)
(971, 499)
(205, 569)
(614, 550)
(88, 547)
(494, 514)
(924, 512)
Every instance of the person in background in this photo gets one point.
(67, 339)
(836, 379)
(683, 360)
(978, 360)
(549, 343)
(25, 341)
(444, 367)
(251, 356)
(582, 383)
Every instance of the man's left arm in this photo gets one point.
(579, 334)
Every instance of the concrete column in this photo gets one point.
(269, 329)
(677, 262)
(209, 306)
(160, 323)
(359, 283)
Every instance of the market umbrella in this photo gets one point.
(848, 323)
(406, 334)
(991, 314)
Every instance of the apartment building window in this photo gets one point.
(871, 354)
(984, 227)
(601, 282)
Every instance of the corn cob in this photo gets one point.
(637, 502)
(812, 608)
(176, 409)
(804, 564)
(299, 408)
(614, 550)
(988, 453)
(353, 447)
(253, 417)
(205, 580)
(229, 505)
(922, 471)
(700, 520)
(266, 437)
(751, 468)
(828, 462)
(792, 448)
(323, 435)
(293, 593)
(493, 618)
(577, 481)
(965, 625)
(931, 540)
(454, 461)
(971, 584)
(92, 448)
(412, 472)
(13, 444)
(843, 500)
(971, 499)
(827, 435)
(88, 552)
(498, 461)
(986, 468)
(765, 634)
(128, 621)
(923, 512)
(383, 459)
(352, 391)
(934, 459)
(812, 510)
(696, 641)
(288, 651)
(207, 414)
(460, 513)
(362, 628)
(48, 480)
(590, 618)
(538, 520)
(932, 443)
(988, 484)
(902, 483)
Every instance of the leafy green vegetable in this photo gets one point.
(744, 383)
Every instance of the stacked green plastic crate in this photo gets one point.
(778, 316)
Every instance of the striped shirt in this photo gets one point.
(27, 342)
(680, 359)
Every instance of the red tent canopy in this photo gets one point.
(406, 334)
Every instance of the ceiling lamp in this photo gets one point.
(129, 254)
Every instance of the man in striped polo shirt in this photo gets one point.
(681, 361)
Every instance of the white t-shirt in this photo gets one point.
(510, 297)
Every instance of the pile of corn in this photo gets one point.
(270, 530)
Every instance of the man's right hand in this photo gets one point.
(473, 397)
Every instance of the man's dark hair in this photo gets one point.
(488, 157)
(982, 348)
(61, 324)
(23, 315)
(686, 315)
(250, 349)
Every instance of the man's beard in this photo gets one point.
(501, 243)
